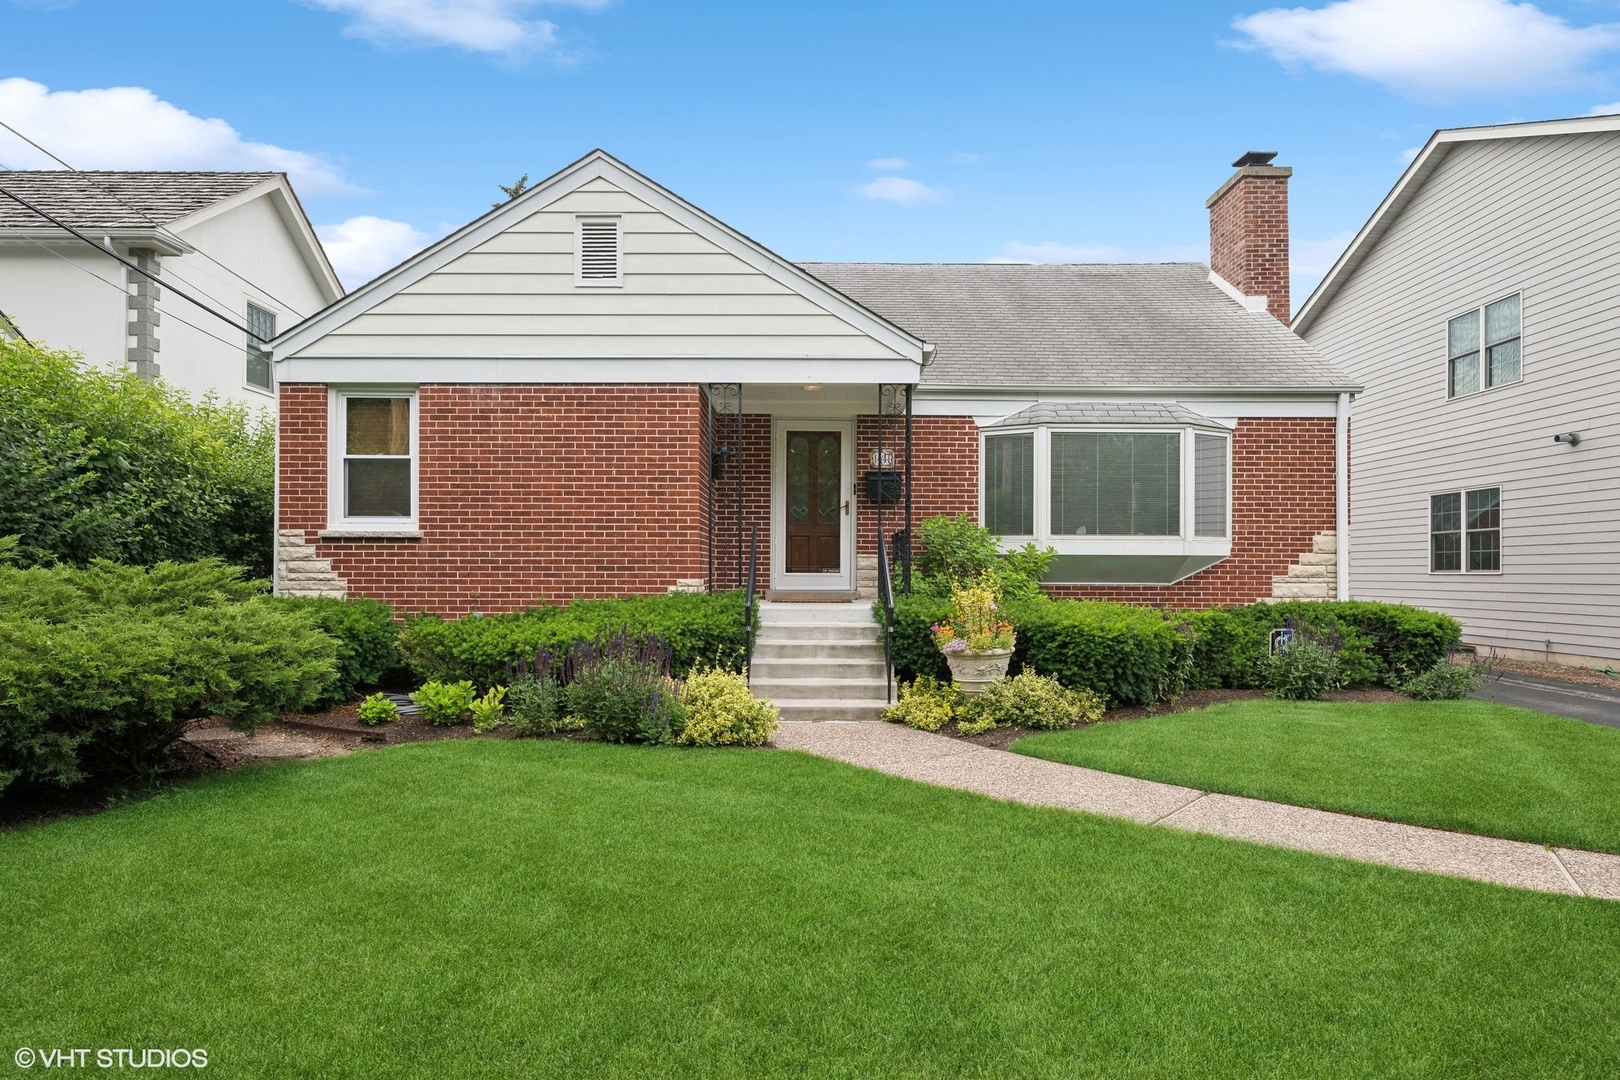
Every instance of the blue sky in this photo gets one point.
(841, 131)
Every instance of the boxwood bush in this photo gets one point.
(102, 668)
(701, 630)
(365, 632)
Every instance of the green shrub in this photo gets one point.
(926, 703)
(378, 709)
(1443, 682)
(104, 464)
(961, 550)
(444, 704)
(722, 711)
(699, 629)
(539, 706)
(620, 687)
(1379, 642)
(915, 654)
(1129, 655)
(1302, 670)
(365, 631)
(487, 711)
(101, 669)
(1032, 700)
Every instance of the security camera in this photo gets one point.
(1573, 438)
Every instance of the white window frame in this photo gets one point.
(337, 440)
(1462, 532)
(1184, 543)
(1484, 351)
(268, 391)
(580, 280)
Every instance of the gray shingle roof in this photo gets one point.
(1131, 412)
(117, 200)
(1094, 325)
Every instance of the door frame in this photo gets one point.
(780, 578)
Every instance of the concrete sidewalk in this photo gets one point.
(947, 762)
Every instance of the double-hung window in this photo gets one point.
(1465, 531)
(375, 477)
(1482, 347)
(261, 326)
(1117, 503)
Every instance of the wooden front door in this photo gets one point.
(815, 502)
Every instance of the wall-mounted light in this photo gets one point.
(717, 462)
(1573, 438)
(812, 387)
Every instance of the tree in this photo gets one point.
(103, 464)
(514, 191)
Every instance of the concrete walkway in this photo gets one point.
(947, 762)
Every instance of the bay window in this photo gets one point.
(1134, 504)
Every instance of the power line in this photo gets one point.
(8, 321)
(14, 197)
(115, 285)
(162, 228)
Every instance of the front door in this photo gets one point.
(815, 503)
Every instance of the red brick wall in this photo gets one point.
(944, 472)
(1248, 236)
(528, 493)
(1282, 497)
(755, 464)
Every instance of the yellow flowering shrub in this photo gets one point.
(722, 711)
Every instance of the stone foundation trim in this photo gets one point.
(300, 573)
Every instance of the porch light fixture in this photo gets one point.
(812, 387)
(717, 462)
(1573, 438)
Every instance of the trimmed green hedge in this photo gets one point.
(365, 631)
(699, 628)
(1138, 655)
(1379, 643)
(102, 668)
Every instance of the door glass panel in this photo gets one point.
(798, 479)
(827, 479)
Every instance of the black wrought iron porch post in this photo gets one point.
(882, 407)
(905, 571)
(738, 455)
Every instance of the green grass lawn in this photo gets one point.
(1467, 765)
(513, 908)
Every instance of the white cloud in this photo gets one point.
(1316, 257)
(1410, 154)
(1016, 251)
(1431, 47)
(888, 164)
(363, 247)
(129, 127)
(900, 189)
(491, 26)
(1605, 110)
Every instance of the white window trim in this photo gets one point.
(1428, 532)
(267, 391)
(1185, 543)
(1479, 313)
(337, 433)
(580, 281)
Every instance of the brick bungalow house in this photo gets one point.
(598, 389)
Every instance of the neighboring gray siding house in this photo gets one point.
(1480, 306)
(237, 241)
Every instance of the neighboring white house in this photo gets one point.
(237, 241)
(1480, 306)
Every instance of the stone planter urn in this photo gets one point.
(973, 671)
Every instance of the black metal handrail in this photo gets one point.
(886, 598)
(748, 601)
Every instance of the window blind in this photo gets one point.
(1116, 484)
(1009, 484)
(1209, 485)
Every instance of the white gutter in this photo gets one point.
(1341, 494)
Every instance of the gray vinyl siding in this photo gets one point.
(515, 295)
(1538, 216)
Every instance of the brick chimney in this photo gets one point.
(1248, 231)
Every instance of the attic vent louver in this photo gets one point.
(599, 252)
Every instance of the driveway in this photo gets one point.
(1589, 703)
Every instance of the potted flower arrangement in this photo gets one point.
(976, 640)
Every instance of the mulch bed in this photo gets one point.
(1565, 673)
(1002, 738)
(344, 721)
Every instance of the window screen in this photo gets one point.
(1445, 532)
(1009, 484)
(1209, 485)
(261, 328)
(1484, 529)
(1116, 484)
(377, 457)
(1465, 531)
(1502, 341)
(1462, 345)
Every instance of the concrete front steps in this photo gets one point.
(819, 661)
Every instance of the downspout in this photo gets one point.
(275, 492)
(1341, 493)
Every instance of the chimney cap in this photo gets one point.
(1254, 157)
